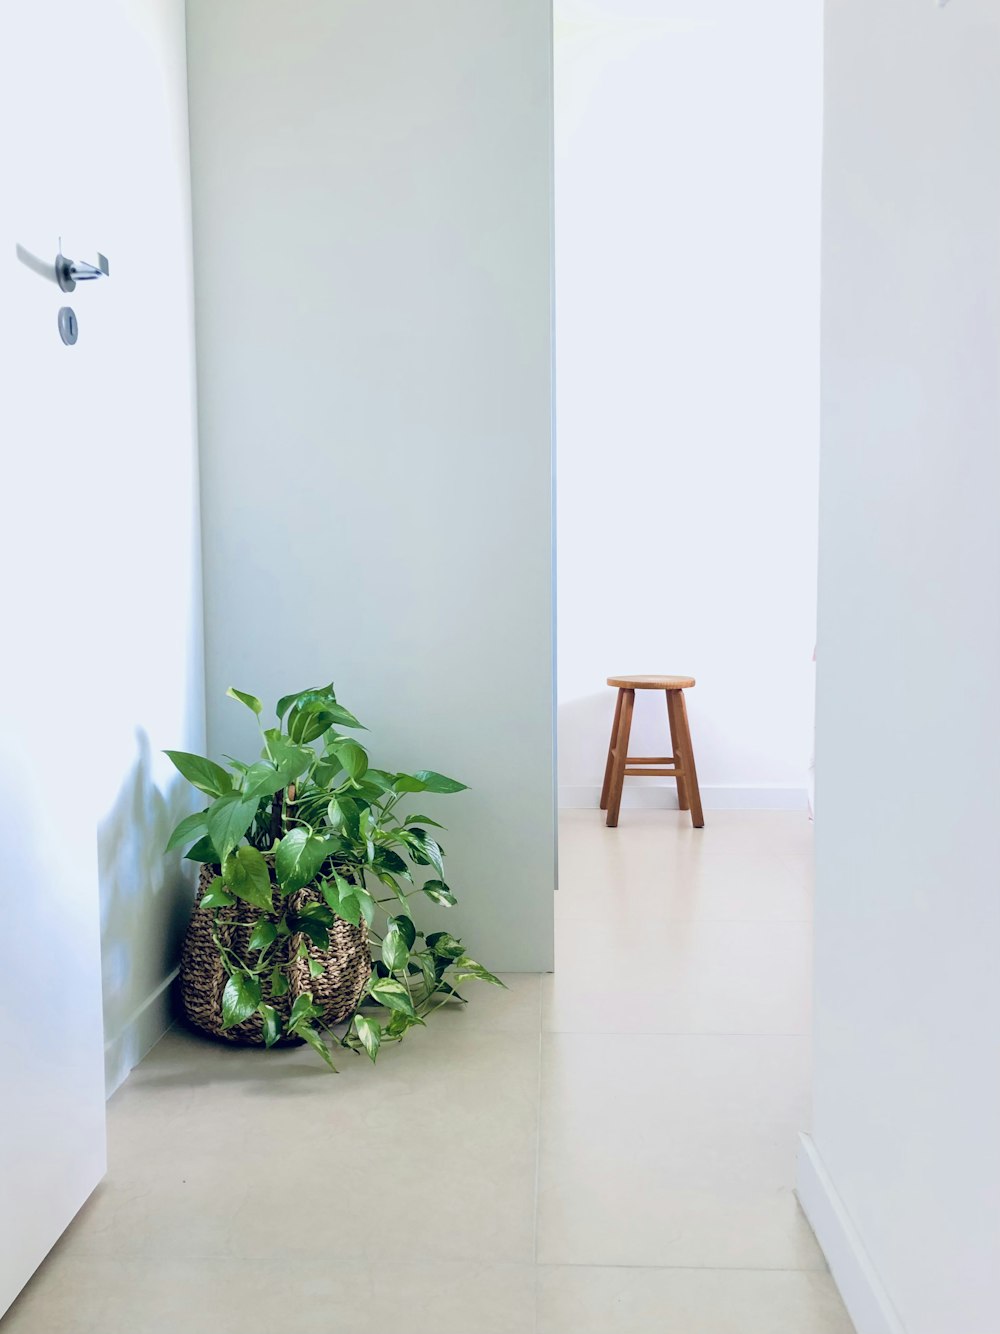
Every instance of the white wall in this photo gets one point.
(687, 257)
(902, 1175)
(372, 189)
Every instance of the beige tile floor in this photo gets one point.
(608, 1149)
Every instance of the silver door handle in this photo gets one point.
(69, 272)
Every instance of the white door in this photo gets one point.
(78, 424)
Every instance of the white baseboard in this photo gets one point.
(649, 796)
(139, 1035)
(867, 1302)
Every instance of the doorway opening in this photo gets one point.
(687, 203)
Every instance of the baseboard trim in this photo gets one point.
(138, 1036)
(867, 1302)
(637, 795)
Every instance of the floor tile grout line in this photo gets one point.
(680, 1269)
(598, 916)
(92, 1259)
(667, 1033)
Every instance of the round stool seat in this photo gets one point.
(651, 682)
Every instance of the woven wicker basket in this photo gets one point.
(347, 965)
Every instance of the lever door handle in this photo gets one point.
(69, 272)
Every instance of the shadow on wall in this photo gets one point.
(146, 899)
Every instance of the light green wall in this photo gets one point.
(372, 193)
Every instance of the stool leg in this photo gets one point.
(611, 751)
(683, 800)
(620, 757)
(687, 755)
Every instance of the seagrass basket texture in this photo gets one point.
(346, 965)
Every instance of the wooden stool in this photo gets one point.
(619, 761)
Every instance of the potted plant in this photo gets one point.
(303, 912)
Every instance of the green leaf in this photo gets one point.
(317, 931)
(424, 850)
(366, 903)
(239, 999)
(251, 701)
(316, 1042)
(438, 892)
(426, 780)
(352, 756)
(422, 819)
(217, 898)
(369, 792)
(272, 1023)
(279, 981)
(319, 912)
(302, 1010)
(326, 771)
(336, 889)
(315, 968)
(305, 725)
(290, 760)
(406, 929)
(380, 779)
(311, 692)
(262, 779)
(444, 945)
(286, 702)
(314, 712)
(387, 860)
(203, 774)
(393, 995)
(399, 1023)
(264, 933)
(425, 964)
(324, 693)
(298, 859)
(342, 717)
(331, 891)
(344, 814)
(370, 1033)
(434, 782)
(395, 950)
(348, 901)
(350, 909)
(245, 873)
(203, 851)
(466, 968)
(188, 829)
(229, 818)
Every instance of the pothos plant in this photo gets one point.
(314, 809)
